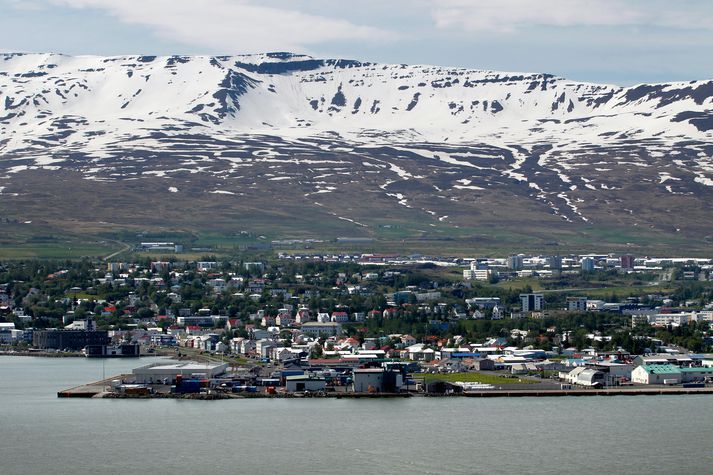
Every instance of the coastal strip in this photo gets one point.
(103, 389)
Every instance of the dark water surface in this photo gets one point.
(40, 433)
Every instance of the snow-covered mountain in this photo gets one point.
(438, 142)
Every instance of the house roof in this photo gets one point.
(303, 377)
(661, 369)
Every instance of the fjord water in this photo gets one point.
(40, 433)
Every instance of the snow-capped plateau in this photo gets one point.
(430, 145)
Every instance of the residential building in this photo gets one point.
(577, 304)
(587, 264)
(340, 317)
(515, 262)
(532, 302)
(477, 274)
(627, 262)
(322, 329)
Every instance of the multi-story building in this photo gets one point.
(322, 329)
(532, 302)
(627, 262)
(515, 262)
(69, 339)
(587, 264)
(477, 274)
(577, 304)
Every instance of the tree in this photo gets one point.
(579, 339)
(316, 351)
(145, 313)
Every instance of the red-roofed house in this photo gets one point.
(284, 319)
(303, 316)
(349, 344)
(340, 317)
(408, 340)
(390, 312)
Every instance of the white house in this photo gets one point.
(262, 347)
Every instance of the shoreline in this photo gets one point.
(46, 354)
(43, 354)
(98, 389)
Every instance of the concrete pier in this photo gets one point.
(629, 391)
(88, 390)
(99, 389)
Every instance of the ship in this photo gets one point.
(124, 350)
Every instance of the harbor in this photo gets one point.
(211, 381)
(69, 428)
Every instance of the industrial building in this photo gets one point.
(75, 340)
(656, 374)
(583, 376)
(370, 380)
(669, 374)
(159, 372)
(304, 382)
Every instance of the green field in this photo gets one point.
(59, 240)
(484, 378)
(60, 250)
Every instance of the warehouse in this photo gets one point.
(160, 372)
(670, 374)
(377, 380)
(656, 374)
(304, 382)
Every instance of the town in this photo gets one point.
(370, 324)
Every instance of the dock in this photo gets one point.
(628, 391)
(100, 389)
(89, 390)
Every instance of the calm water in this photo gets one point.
(43, 434)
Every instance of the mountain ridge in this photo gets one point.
(426, 144)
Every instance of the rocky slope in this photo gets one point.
(299, 146)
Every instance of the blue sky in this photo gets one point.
(614, 41)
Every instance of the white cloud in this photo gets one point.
(22, 5)
(513, 15)
(232, 26)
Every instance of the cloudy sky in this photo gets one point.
(614, 41)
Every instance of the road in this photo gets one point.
(584, 289)
(125, 248)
